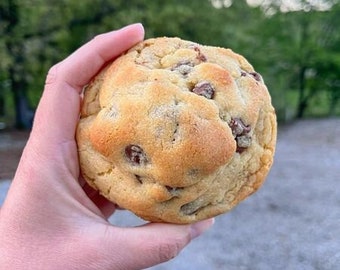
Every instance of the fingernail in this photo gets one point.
(200, 227)
(136, 25)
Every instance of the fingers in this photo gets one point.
(154, 243)
(58, 111)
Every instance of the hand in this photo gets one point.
(48, 221)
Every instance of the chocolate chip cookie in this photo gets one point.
(176, 131)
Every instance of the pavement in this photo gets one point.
(292, 222)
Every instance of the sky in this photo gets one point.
(287, 5)
(293, 5)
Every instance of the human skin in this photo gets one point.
(53, 220)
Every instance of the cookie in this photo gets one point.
(175, 131)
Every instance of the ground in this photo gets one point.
(11, 145)
(292, 222)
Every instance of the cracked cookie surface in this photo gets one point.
(176, 131)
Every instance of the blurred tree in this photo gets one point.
(318, 62)
(35, 34)
(326, 65)
(9, 11)
(38, 33)
(301, 53)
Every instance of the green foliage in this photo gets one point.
(297, 52)
(302, 55)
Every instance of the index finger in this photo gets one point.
(58, 110)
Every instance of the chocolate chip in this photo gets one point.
(243, 142)
(238, 127)
(135, 154)
(256, 76)
(205, 89)
(183, 67)
(240, 149)
(200, 56)
(241, 133)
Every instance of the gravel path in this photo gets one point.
(292, 222)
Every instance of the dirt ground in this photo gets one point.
(11, 146)
(292, 222)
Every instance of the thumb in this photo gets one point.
(153, 243)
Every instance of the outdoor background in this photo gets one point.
(293, 221)
(294, 44)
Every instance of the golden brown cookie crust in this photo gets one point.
(176, 132)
